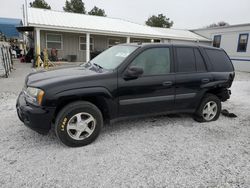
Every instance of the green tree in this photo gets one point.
(159, 21)
(40, 4)
(76, 6)
(219, 24)
(97, 12)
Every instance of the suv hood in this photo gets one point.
(59, 75)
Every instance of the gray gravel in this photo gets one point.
(163, 151)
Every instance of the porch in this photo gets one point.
(78, 47)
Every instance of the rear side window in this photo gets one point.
(190, 60)
(220, 60)
(185, 59)
(200, 64)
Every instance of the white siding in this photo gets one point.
(229, 42)
(242, 65)
(171, 41)
(229, 39)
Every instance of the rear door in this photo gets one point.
(153, 92)
(191, 74)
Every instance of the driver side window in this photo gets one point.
(153, 61)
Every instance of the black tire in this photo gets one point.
(198, 116)
(67, 113)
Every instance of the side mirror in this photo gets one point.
(133, 73)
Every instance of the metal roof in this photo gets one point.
(11, 21)
(59, 20)
(223, 27)
(8, 27)
(181, 34)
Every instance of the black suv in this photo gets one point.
(126, 80)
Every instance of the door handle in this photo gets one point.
(167, 83)
(205, 80)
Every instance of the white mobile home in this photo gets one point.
(80, 35)
(234, 40)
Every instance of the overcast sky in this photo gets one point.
(186, 14)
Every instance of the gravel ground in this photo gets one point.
(163, 151)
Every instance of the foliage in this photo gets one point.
(159, 21)
(40, 4)
(97, 12)
(219, 24)
(76, 6)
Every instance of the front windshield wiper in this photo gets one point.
(99, 66)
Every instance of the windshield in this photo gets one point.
(113, 57)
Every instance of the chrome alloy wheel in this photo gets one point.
(81, 126)
(209, 110)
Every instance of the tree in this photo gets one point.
(219, 24)
(97, 12)
(159, 21)
(40, 4)
(76, 6)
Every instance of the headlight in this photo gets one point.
(35, 95)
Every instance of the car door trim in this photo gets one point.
(185, 96)
(146, 100)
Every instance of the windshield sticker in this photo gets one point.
(122, 54)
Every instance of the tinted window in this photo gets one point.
(242, 44)
(153, 61)
(216, 41)
(185, 59)
(220, 60)
(200, 64)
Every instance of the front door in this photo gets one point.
(153, 91)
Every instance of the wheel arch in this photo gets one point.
(222, 93)
(100, 97)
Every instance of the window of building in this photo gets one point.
(154, 61)
(113, 41)
(141, 41)
(185, 59)
(217, 41)
(82, 43)
(242, 44)
(157, 41)
(54, 41)
(136, 41)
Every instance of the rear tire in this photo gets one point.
(78, 124)
(209, 109)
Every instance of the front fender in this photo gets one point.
(85, 92)
(96, 95)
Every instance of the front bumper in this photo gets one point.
(35, 117)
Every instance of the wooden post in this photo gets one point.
(38, 45)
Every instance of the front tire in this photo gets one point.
(78, 124)
(209, 109)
